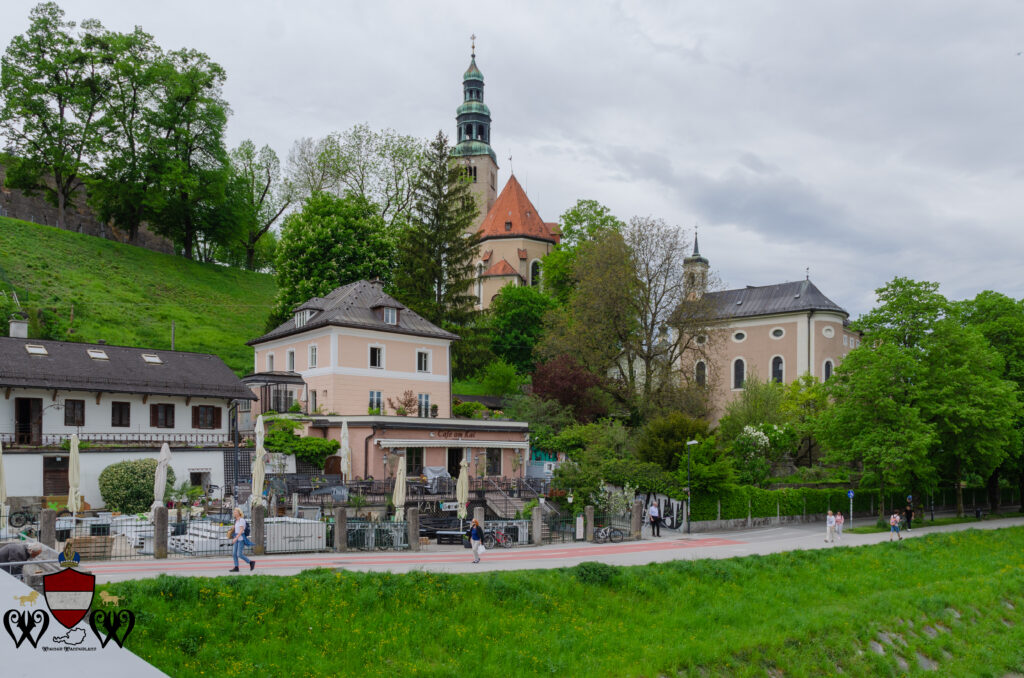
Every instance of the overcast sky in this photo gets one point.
(863, 140)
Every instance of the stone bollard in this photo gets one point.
(160, 532)
(635, 519)
(538, 525)
(258, 530)
(413, 525)
(478, 514)
(340, 529)
(48, 528)
(588, 530)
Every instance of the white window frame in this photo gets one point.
(423, 404)
(376, 397)
(391, 313)
(828, 331)
(419, 352)
(383, 357)
(732, 373)
(290, 360)
(270, 362)
(313, 357)
(772, 332)
(739, 341)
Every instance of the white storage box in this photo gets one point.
(291, 535)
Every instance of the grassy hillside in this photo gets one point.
(129, 296)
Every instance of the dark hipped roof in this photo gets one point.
(788, 297)
(352, 306)
(68, 367)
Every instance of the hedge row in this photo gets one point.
(745, 500)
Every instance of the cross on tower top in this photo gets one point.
(472, 39)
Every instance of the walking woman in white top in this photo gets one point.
(830, 528)
(239, 541)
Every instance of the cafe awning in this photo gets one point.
(452, 442)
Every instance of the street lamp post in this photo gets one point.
(689, 494)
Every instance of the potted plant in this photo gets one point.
(433, 410)
(184, 495)
(356, 501)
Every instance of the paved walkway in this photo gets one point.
(672, 545)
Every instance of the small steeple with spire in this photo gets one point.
(695, 272)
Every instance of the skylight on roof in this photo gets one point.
(152, 359)
(36, 349)
(97, 354)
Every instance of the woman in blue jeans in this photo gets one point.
(240, 541)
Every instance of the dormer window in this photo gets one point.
(390, 315)
(97, 354)
(302, 317)
(508, 225)
(36, 349)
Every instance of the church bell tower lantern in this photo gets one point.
(473, 138)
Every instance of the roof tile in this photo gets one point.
(500, 268)
(513, 215)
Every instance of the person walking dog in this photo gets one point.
(476, 538)
(238, 545)
(830, 528)
(655, 516)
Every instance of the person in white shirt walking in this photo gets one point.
(655, 516)
(830, 528)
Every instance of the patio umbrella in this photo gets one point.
(3, 490)
(259, 466)
(74, 477)
(398, 498)
(345, 452)
(462, 489)
(160, 478)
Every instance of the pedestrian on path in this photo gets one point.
(839, 525)
(894, 525)
(908, 515)
(238, 545)
(655, 515)
(476, 538)
(830, 528)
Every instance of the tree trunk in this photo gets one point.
(993, 492)
(250, 256)
(959, 489)
(61, 204)
(881, 497)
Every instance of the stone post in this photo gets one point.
(413, 525)
(48, 528)
(538, 525)
(259, 533)
(160, 532)
(588, 530)
(340, 529)
(635, 519)
(719, 508)
(478, 514)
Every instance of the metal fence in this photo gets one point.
(22, 439)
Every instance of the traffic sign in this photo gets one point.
(449, 505)
(850, 494)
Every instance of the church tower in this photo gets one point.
(695, 273)
(473, 139)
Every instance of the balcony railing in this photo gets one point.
(11, 440)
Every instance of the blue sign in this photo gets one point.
(850, 494)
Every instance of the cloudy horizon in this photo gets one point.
(862, 141)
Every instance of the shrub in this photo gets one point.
(500, 378)
(296, 407)
(127, 486)
(281, 438)
(594, 573)
(468, 409)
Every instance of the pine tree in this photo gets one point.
(436, 252)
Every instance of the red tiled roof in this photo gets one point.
(487, 255)
(522, 253)
(500, 268)
(513, 206)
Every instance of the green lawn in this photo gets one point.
(129, 296)
(955, 601)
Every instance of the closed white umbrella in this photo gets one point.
(74, 477)
(3, 490)
(163, 461)
(345, 452)
(398, 498)
(462, 487)
(259, 466)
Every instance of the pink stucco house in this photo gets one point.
(349, 356)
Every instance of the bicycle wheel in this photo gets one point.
(615, 535)
(385, 540)
(506, 541)
(600, 535)
(489, 541)
(18, 519)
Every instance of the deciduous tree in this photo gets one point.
(517, 324)
(262, 197)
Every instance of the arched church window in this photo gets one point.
(738, 370)
(828, 370)
(701, 373)
(777, 369)
(535, 273)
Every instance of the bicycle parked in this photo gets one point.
(498, 537)
(31, 515)
(607, 533)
